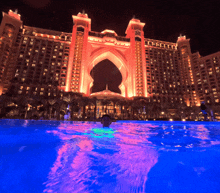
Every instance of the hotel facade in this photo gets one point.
(165, 71)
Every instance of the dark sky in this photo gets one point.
(199, 20)
(106, 73)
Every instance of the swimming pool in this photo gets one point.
(131, 156)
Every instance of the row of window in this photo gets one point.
(160, 44)
(77, 61)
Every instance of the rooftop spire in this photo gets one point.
(14, 14)
(181, 38)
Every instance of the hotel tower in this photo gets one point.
(166, 71)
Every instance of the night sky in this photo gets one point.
(106, 73)
(165, 19)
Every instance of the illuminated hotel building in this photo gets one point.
(207, 77)
(166, 71)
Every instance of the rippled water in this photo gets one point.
(130, 156)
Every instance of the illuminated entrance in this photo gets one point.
(88, 49)
(111, 57)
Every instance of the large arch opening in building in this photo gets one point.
(105, 73)
(117, 59)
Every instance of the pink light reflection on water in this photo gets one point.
(133, 158)
(73, 170)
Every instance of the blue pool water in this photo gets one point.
(130, 156)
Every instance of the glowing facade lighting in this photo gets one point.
(137, 58)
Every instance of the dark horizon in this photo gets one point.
(164, 20)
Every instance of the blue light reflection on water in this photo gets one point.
(131, 156)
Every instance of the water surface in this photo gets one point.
(130, 156)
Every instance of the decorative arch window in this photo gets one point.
(137, 39)
(80, 29)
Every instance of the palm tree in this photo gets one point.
(14, 87)
(72, 99)
(216, 109)
(105, 103)
(181, 110)
(135, 107)
(128, 108)
(115, 101)
(123, 106)
(68, 99)
(94, 101)
(84, 101)
(4, 102)
(164, 105)
(22, 105)
(51, 102)
(44, 107)
(139, 104)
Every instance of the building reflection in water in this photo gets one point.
(135, 158)
(93, 159)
